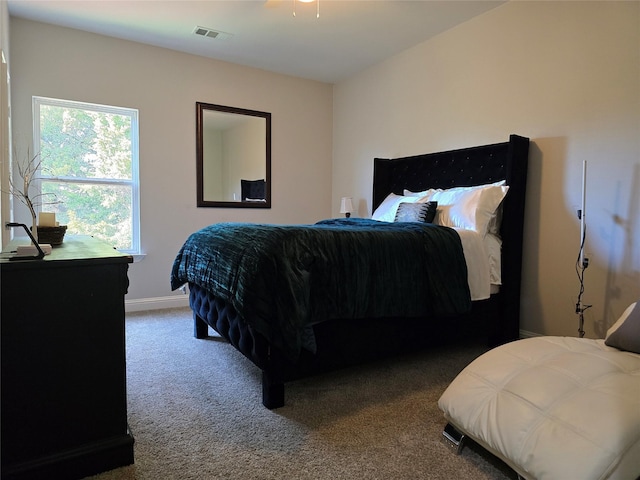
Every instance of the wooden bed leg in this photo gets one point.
(272, 391)
(200, 327)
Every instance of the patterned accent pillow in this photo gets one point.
(416, 212)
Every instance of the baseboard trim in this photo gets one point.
(527, 334)
(156, 303)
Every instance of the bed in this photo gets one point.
(555, 407)
(302, 299)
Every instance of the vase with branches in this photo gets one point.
(28, 169)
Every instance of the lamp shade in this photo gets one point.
(346, 205)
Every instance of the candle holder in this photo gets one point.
(39, 255)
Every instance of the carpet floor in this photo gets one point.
(195, 411)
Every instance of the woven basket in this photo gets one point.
(51, 235)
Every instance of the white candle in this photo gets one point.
(47, 219)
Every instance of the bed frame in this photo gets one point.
(347, 342)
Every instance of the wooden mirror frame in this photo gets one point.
(201, 202)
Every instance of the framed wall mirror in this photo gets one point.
(233, 157)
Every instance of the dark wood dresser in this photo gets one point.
(64, 405)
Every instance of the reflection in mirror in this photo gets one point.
(233, 150)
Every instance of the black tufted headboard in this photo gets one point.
(252, 189)
(466, 167)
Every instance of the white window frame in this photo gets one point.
(135, 178)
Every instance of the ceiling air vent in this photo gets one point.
(208, 32)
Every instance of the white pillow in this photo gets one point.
(424, 193)
(471, 208)
(386, 211)
(431, 191)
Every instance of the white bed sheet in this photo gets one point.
(553, 408)
(493, 243)
(482, 255)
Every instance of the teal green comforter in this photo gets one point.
(284, 278)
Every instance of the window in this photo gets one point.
(89, 161)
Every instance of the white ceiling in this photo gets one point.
(349, 35)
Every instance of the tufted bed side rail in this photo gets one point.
(340, 344)
(223, 318)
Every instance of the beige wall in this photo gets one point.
(565, 74)
(165, 85)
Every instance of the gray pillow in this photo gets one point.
(627, 336)
(416, 212)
